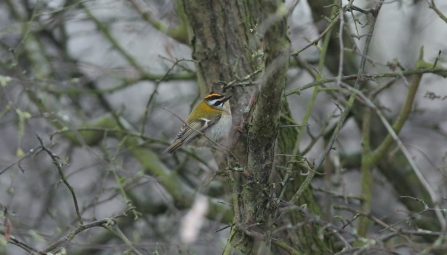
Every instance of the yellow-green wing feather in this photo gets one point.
(189, 131)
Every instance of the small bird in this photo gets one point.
(209, 120)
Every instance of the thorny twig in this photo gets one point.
(68, 237)
(407, 154)
(57, 162)
(364, 77)
(344, 115)
(157, 84)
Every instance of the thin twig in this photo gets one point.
(58, 164)
(439, 71)
(407, 154)
(113, 227)
(30, 152)
(340, 39)
(68, 237)
(344, 115)
(315, 41)
(440, 14)
(244, 81)
(13, 240)
(157, 84)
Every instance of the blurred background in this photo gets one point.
(86, 65)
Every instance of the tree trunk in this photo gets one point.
(231, 40)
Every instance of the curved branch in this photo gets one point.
(441, 71)
(180, 33)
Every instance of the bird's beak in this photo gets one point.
(227, 98)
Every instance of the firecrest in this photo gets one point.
(208, 123)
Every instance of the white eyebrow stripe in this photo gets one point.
(212, 102)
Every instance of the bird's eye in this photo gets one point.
(217, 103)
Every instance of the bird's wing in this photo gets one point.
(190, 130)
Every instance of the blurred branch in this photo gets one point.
(228, 44)
(13, 240)
(182, 195)
(320, 12)
(426, 209)
(342, 46)
(432, 5)
(367, 243)
(289, 174)
(400, 175)
(345, 113)
(380, 151)
(369, 160)
(33, 49)
(72, 234)
(240, 81)
(379, 89)
(339, 195)
(112, 227)
(315, 41)
(18, 162)
(130, 59)
(323, 51)
(182, 76)
(397, 170)
(285, 247)
(441, 71)
(146, 111)
(367, 179)
(357, 213)
(180, 33)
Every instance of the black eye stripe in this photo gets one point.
(217, 103)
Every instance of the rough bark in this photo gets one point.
(230, 40)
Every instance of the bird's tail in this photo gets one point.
(173, 147)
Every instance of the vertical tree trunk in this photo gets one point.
(233, 39)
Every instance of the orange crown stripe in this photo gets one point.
(213, 95)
